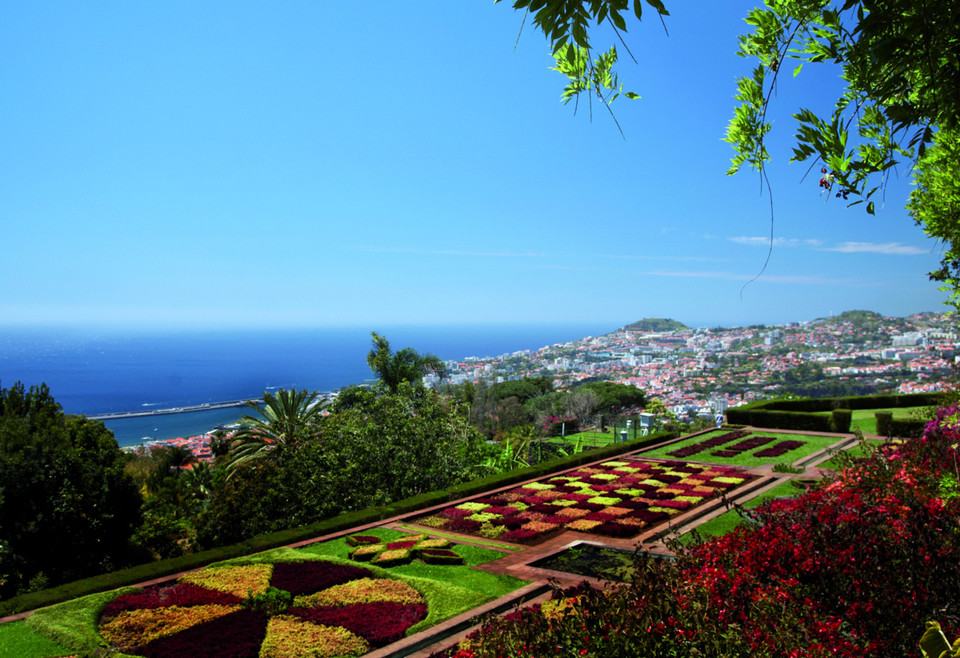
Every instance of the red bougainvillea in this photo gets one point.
(853, 568)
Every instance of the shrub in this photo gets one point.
(840, 420)
(884, 423)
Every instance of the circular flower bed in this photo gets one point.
(308, 608)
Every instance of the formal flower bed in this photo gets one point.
(401, 551)
(746, 445)
(282, 609)
(706, 444)
(781, 448)
(616, 499)
(852, 568)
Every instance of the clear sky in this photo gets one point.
(368, 163)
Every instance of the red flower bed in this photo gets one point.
(779, 449)
(237, 635)
(706, 444)
(161, 596)
(306, 577)
(379, 623)
(744, 446)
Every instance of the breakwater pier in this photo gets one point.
(208, 406)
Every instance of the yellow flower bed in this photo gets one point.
(132, 628)
(362, 590)
(239, 581)
(290, 637)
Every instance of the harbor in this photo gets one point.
(208, 406)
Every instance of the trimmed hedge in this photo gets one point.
(856, 402)
(787, 420)
(163, 568)
(840, 419)
(884, 422)
(888, 426)
(787, 414)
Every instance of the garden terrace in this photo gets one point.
(406, 570)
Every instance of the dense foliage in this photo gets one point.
(404, 365)
(852, 568)
(382, 448)
(67, 509)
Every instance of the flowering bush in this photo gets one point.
(852, 568)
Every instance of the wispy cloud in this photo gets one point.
(531, 254)
(886, 248)
(453, 252)
(761, 241)
(731, 276)
(889, 248)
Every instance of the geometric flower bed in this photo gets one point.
(706, 444)
(738, 448)
(615, 498)
(401, 551)
(288, 608)
(744, 446)
(779, 449)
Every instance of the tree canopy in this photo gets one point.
(406, 365)
(285, 419)
(67, 508)
(900, 64)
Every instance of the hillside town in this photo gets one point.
(703, 371)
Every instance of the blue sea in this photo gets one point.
(98, 372)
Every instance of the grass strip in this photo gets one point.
(73, 624)
(726, 522)
(19, 640)
(459, 538)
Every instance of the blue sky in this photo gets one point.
(188, 165)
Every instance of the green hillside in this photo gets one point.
(655, 324)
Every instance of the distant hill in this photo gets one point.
(855, 317)
(655, 324)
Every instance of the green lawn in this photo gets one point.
(859, 450)
(810, 446)
(588, 438)
(866, 421)
(18, 639)
(487, 585)
(71, 627)
(730, 519)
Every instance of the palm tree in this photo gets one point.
(285, 419)
(406, 365)
(178, 457)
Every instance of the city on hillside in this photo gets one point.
(703, 371)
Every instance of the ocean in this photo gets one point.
(98, 372)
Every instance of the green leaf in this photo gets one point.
(796, 71)
(656, 4)
(631, 95)
(871, 208)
